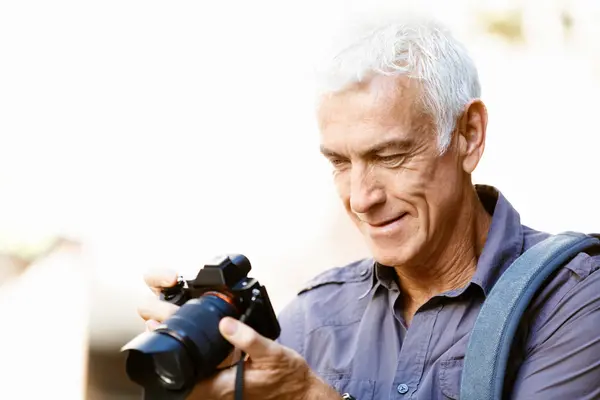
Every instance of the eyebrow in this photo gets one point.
(393, 144)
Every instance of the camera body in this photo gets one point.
(188, 347)
(227, 277)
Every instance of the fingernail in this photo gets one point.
(229, 326)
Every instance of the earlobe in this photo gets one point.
(474, 127)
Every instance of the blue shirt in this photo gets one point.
(347, 323)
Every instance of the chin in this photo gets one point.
(394, 254)
(390, 257)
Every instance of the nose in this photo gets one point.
(365, 190)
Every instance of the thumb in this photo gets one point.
(248, 340)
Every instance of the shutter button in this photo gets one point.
(402, 388)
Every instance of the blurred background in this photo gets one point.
(144, 134)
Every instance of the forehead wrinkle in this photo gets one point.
(385, 106)
(389, 101)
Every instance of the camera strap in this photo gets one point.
(239, 372)
(239, 378)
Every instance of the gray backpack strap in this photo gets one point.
(490, 342)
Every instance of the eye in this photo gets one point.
(338, 162)
(391, 160)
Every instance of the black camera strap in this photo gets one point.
(239, 378)
(239, 373)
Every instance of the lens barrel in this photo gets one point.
(188, 347)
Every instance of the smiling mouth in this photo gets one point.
(388, 222)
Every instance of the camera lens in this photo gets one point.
(187, 348)
(158, 359)
(169, 369)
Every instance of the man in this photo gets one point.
(404, 128)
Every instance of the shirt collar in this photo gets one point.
(503, 245)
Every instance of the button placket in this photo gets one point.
(414, 348)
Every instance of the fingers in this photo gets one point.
(159, 279)
(154, 311)
(157, 310)
(248, 340)
(151, 325)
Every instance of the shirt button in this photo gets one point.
(364, 272)
(402, 388)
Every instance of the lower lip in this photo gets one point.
(389, 228)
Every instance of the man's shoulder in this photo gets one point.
(332, 298)
(583, 264)
(357, 271)
(569, 290)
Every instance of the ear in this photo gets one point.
(471, 134)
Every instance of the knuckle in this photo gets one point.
(150, 279)
(294, 356)
(157, 310)
(144, 312)
(249, 340)
(158, 279)
(168, 309)
(291, 358)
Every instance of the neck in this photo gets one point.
(454, 260)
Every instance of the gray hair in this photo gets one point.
(420, 48)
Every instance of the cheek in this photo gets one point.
(410, 185)
(415, 187)
(342, 186)
(446, 181)
(443, 193)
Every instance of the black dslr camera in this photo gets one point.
(188, 347)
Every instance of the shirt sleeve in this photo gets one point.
(292, 327)
(566, 364)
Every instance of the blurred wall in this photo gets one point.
(44, 337)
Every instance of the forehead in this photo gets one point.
(374, 110)
(385, 97)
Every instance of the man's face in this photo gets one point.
(402, 195)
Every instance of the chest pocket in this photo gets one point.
(362, 389)
(450, 374)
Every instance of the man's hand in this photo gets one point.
(272, 371)
(155, 311)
